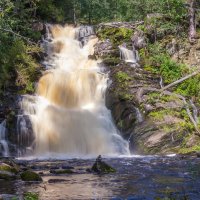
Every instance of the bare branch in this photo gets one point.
(180, 80)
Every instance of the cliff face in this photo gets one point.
(152, 121)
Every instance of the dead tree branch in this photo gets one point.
(180, 81)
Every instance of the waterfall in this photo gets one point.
(129, 56)
(69, 115)
(3, 143)
(139, 115)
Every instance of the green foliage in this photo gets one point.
(190, 87)
(122, 77)
(17, 63)
(170, 70)
(18, 67)
(116, 35)
(49, 11)
(31, 196)
(158, 61)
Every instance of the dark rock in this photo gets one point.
(92, 57)
(30, 176)
(89, 170)
(61, 171)
(103, 48)
(38, 26)
(8, 197)
(56, 180)
(198, 154)
(5, 175)
(54, 167)
(67, 167)
(101, 167)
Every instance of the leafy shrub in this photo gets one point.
(122, 77)
(18, 64)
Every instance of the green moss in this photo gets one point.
(7, 168)
(185, 150)
(30, 176)
(111, 61)
(122, 77)
(160, 114)
(102, 167)
(31, 196)
(116, 35)
(125, 96)
(190, 87)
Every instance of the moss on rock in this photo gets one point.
(30, 176)
(7, 168)
(101, 167)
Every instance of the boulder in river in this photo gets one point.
(101, 167)
(30, 176)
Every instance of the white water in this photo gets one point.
(129, 56)
(139, 115)
(3, 142)
(69, 116)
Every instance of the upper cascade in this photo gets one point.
(69, 115)
(129, 56)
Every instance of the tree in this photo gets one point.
(192, 20)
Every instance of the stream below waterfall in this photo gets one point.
(137, 178)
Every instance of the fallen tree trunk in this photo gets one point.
(180, 80)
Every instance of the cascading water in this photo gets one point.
(129, 56)
(3, 142)
(69, 116)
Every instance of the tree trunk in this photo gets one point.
(74, 13)
(90, 14)
(192, 20)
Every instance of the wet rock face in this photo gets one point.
(123, 112)
(103, 48)
(139, 40)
